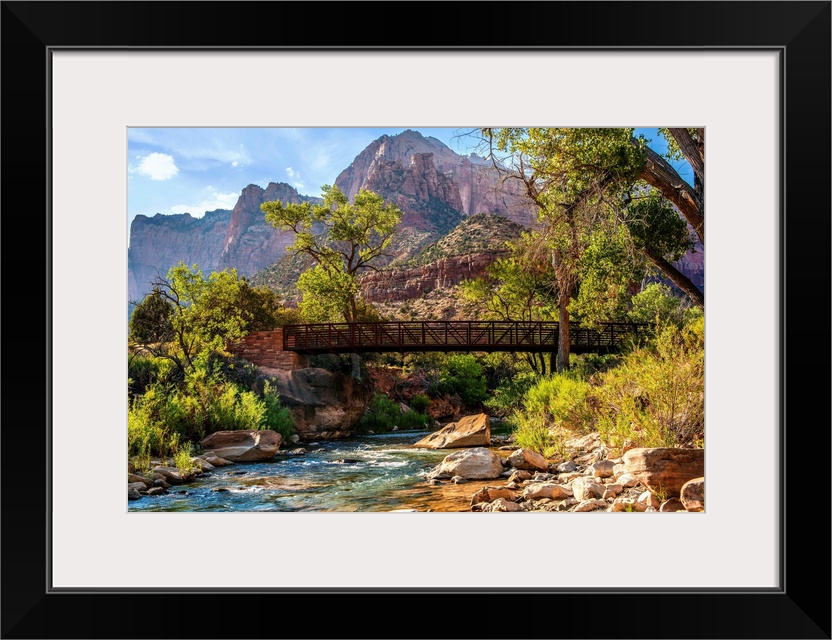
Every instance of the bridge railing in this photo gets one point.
(447, 335)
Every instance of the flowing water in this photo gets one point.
(379, 472)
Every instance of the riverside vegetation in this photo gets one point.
(561, 418)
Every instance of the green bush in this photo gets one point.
(381, 415)
(167, 416)
(462, 374)
(412, 420)
(420, 402)
(510, 393)
(384, 413)
(655, 398)
(278, 417)
(553, 409)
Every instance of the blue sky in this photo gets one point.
(194, 170)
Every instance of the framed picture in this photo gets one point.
(77, 76)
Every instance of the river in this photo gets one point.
(380, 472)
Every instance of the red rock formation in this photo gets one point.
(407, 284)
(476, 186)
(251, 243)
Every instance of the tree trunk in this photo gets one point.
(658, 172)
(356, 365)
(678, 278)
(563, 336)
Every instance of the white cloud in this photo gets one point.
(235, 164)
(297, 183)
(215, 201)
(158, 166)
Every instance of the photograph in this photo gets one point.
(387, 275)
(445, 319)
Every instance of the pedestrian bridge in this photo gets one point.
(452, 335)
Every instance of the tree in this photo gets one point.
(186, 313)
(516, 288)
(589, 181)
(344, 239)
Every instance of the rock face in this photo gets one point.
(474, 464)
(393, 285)
(241, 239)
(243, 445)
(470, 431)
(665, 470)
(251, 243)
(420, 169)
(159, 242)
(323, 404)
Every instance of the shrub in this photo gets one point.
(552, 409)
(462, 374)
(278, 417)
(510, 393)
(420, 402)
(655, 398)
(383, 414)
(183, 459)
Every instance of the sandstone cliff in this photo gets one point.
(469, 185)
(158, 243)
(241, 239)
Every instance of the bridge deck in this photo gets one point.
(457, 335)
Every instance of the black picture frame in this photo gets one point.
(800, 31)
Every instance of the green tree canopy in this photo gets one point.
(343, 239)
(186, 313)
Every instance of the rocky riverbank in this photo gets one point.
(641, 480)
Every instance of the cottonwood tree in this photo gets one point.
(586, 182)
(343, 239)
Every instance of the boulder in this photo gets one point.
(601, 469)
(171, 475)
(519, 476)
(692, 494)
(546, 490)
(566, 467)
(245, 445)
(528, 460)
(215, 461)
(478, 463)
(132, 477)
(136, 486)
(203, 464)
(490, 494)
(649, 500)
(672, 505)
(626, 480)
(590, 505)
(585, 488)
(503, 505)
(664, 470)
(323, 404)
(132, 494)
(470, 431)
(627, 504)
